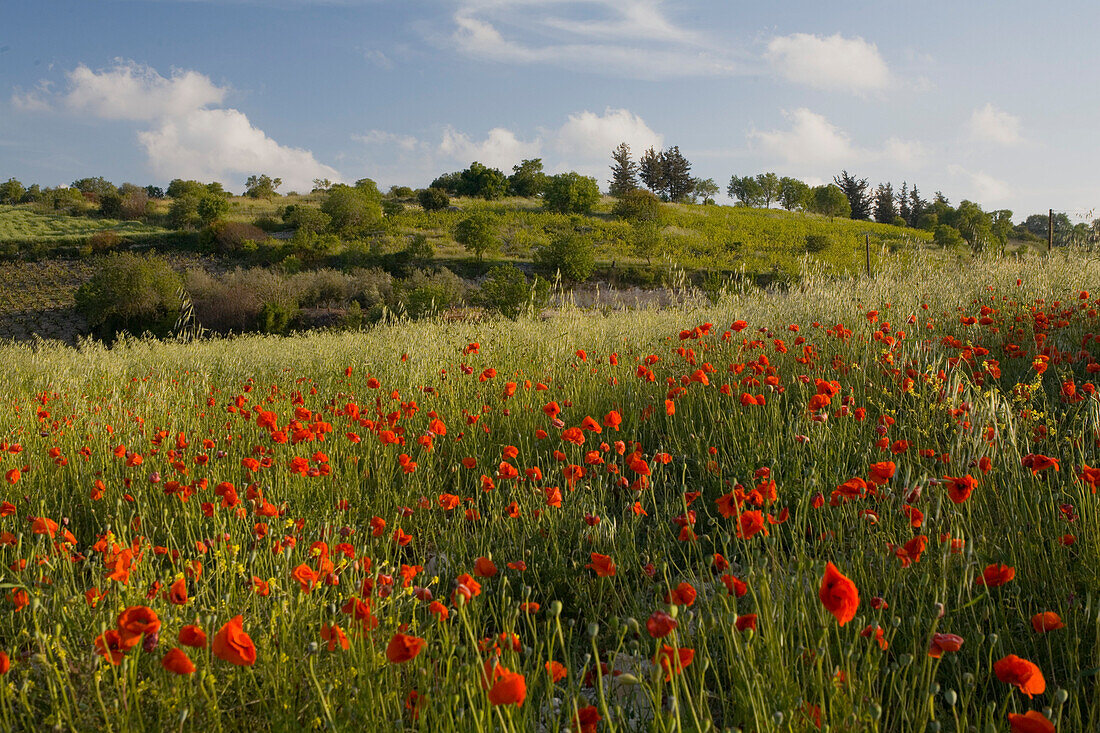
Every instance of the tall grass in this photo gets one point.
(67, 412)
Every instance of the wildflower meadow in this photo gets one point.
(865, 504)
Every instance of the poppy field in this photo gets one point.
(859, 505)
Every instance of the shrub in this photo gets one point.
(277, 317)
(571, 193)
(131, 293)
(184, 213)
(433, 199)
(425, 293)
(507, 291)
(816, 243)
(947, 236)
(638, 206)
(478, 233)
(306, 218)
(211, 207)
(104, 241)
(230, 237)
(353, 210)
(419, 248)
(572, 254)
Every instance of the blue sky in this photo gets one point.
(987, 100)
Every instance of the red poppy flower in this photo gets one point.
(838, 594)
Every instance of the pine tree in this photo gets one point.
(651, 171)
(677, 182)
(885, 211)
(917, 206)
(855, 189)
(624, 173)
(903, 201)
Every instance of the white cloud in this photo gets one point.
(35, 100)
(587, 136)
(206, 144)
(381, 137)
(829, 62)
(812, 141)
(632, 38)
(981, 186)
(187, 132)
(500, 149)
(129, 91)
(989, 124)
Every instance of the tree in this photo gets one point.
(769, 187)
(624, 172)
(885, 211)
(946, 236)
(131, 293)
(506, 291)
(792, 193)
(110, 205)
(677, 182)
(855, 189)
(353, 209)
(975, 226)
(95, 187)
(903, 201)
(478, 233)
(527, 179)
(572, 254)
(638, 206)
(571, 193)
(262, 186)
(11, 192)
(306, 219)
(1001, 225)
(448, 182)
(321, 185)
(746, 189)
(184, 212)
(829, 200)
(211, 207)
(154, 192)
(706, 189)
(483, 182)
(433, 199)
(651, 171)
(917, 206)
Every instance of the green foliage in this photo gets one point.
(419, 248)
(482, 182)
(793, 193)
(11, 192)
(184, 212)
(856, 191)
(433, 199)
(478, 233)
(830, 200)
(638, 206)
(97, 187)
(211, 207)
(947, 236)
(705, 189)
(624, 171)
(401, 192)
(262, 186)
(506, 291)
(305, 218)
(425, 293)
(231, 237)
(276, 318)
(570, 253)
(527, 179)
(353, 210)
(816, 243)
(131, 293)
(571, 193)
(746, 190)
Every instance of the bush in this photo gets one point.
(507, 291)
(306, 218)
(816, 243)
(353, 210)
(433, 199)
(571, 193)
(277, 317)
(131, 293)
(638, 206)
(104, 241)
(211, 207)
(947, 236)
(572, 254)
(230, 237)
(419, 248)
(478, 233)
(184, 213)
(425, 293)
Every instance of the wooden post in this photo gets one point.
(1050, 231)
(867, 252)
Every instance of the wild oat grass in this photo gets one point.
(223, 466)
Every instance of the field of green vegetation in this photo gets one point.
(858, 505)
(24, 224)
